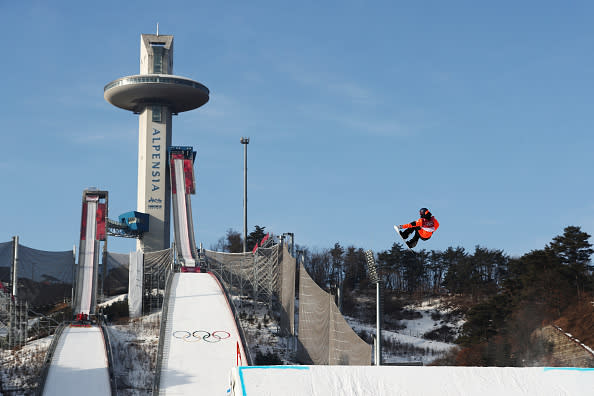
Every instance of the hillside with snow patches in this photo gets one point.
(135, 343)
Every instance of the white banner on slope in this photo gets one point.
(135, 275)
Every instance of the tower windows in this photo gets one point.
(158, 59)
(157, 113)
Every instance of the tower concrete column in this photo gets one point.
(154, 187)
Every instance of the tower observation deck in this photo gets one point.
(155, 95)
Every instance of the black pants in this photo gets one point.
(405, 234)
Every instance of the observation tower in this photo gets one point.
(155, 95)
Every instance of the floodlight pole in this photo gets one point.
(15, 261)
(374, 276)
(245, 142)
(378, 314)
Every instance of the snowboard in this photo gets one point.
(404, 240)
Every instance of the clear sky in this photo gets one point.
(358, 113)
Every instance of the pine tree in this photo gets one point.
(255, 237)
(234, 242)
(574, 250)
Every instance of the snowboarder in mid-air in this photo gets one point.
(423, 228)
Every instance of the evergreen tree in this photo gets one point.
(488, 268)
(414, 271)
(539, 277)
(485, 320)
(337, 260)
(458, 270)
(392, 269)
(318, 267)
(255, 237)
(234, 242)
(354, 267)
(435, 270)
(574, 250)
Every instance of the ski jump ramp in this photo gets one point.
(201, 341)
(80, 361)
(183, 185)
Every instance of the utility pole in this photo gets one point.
(245, 142)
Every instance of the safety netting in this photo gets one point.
(44, 277)
(5, 261)
(116, 275)
(324, 336)
(238, 271)
(287, 292)
(267, 273)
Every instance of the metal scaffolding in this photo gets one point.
(253, 275)
(17, 323)
(157, 266)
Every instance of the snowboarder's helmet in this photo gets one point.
(424, 212)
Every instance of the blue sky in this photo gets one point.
(358, 113)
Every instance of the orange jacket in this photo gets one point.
(426, 227)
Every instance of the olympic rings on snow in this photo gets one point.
(197, 335)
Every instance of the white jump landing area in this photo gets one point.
(410, 381)
(201, 346)
(79, 364)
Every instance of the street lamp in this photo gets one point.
(245, 142)
(372, 270)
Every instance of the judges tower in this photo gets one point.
(155, 95)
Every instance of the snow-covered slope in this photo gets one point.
(202, 342)
(79, 365)
(417, 381)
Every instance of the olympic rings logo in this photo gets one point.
(210, 337)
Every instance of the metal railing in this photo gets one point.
(237, 321)
(48, 359)
(108, 349)
(163, 331)
(155, 78)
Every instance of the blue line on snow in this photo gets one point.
(275, 367)
(568, 368)
(265, 367)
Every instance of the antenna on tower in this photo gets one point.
(157, 28)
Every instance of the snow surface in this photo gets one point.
(203, 340)
(79, 364)
(417, 381)
(19, 369)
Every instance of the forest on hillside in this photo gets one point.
(509, 297)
